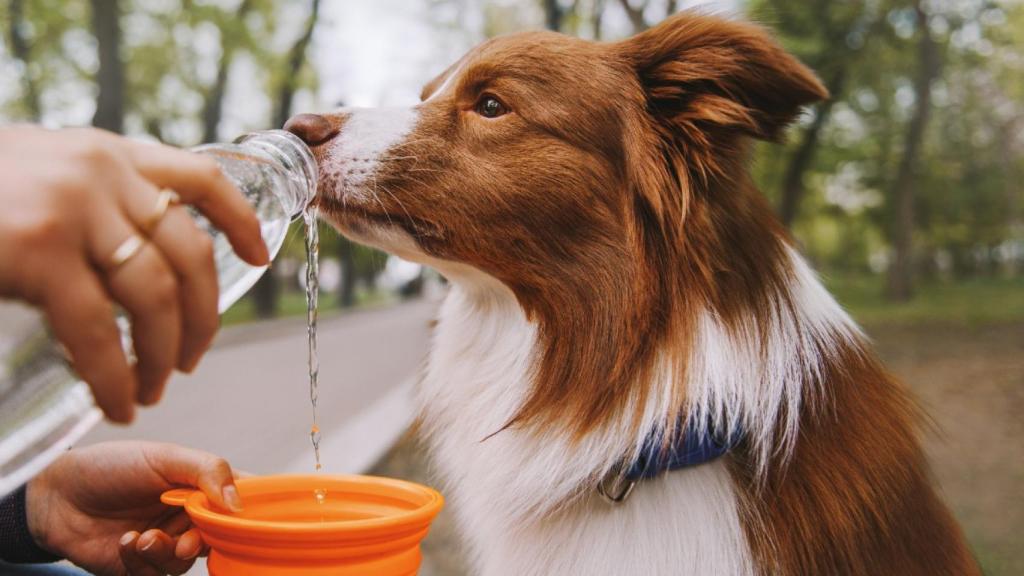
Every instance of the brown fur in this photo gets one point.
(856, 498)
(613, 201)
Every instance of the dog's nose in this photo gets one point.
(312, 128)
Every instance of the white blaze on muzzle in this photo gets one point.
(368, 138)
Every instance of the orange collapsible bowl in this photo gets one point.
(366, 525)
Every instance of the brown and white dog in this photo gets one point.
(615, 274)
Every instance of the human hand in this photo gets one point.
(91, 505)
(71, 198)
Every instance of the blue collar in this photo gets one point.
(690, 447)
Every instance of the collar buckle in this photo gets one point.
(615, 487)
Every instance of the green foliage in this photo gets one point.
(171, 52)
(969, 197)
(976, 301)
(56, 33)
(368, 261)
(969, 204)
(172, 70)
(293, 305)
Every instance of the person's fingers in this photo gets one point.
(200, 182)
(189, 546)
(176, 524)
(188, 467)
(81, 317)
(147, 288)
(158, 550)
(189, 251)
(155, 547)
(133, 562)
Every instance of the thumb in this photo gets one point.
(188, 467)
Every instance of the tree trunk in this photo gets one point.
(265, 295)
(296, 58)
(901, 270)
(347, 286)
(154, 128)
(106, 24)
(793, 183)
(553, 15)
(21, 50)
(213, 106)
(598, 18)
(636, 15)
(267, 291)
(1007, 155)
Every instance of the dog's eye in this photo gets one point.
(490, 107)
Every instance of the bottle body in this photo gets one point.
(276, 173)
(44, 407)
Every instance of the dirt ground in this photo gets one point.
(971, 382)
(969, 379)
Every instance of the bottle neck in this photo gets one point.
(297, 160)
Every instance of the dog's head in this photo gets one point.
(603, 183)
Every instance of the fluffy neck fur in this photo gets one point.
(753, 377)
(524, 497)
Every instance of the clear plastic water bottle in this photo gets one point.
(44, 407)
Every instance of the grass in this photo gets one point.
(293, 304)
(993, 562)
(973, 302)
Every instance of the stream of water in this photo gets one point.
(312, 309)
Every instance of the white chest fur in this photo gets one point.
(524, 502)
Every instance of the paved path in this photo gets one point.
(249, 399)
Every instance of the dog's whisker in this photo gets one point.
(411, 142)
(395, 158)
(399, 202)
(376, 197)
(416, 180)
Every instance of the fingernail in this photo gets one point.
(122, 416)
(189, 365)
(193, 553)
(147, 545)
(152, 395)
(232, 499)
(127, 538)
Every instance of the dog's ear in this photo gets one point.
(438, 81)
(702, 73)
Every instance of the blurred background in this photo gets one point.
(904, 189)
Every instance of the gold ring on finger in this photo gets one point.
(164, 200)
(125, 251)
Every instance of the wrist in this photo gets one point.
(37, 511)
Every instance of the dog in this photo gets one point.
(634, 371)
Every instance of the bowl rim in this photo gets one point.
(197, 507)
